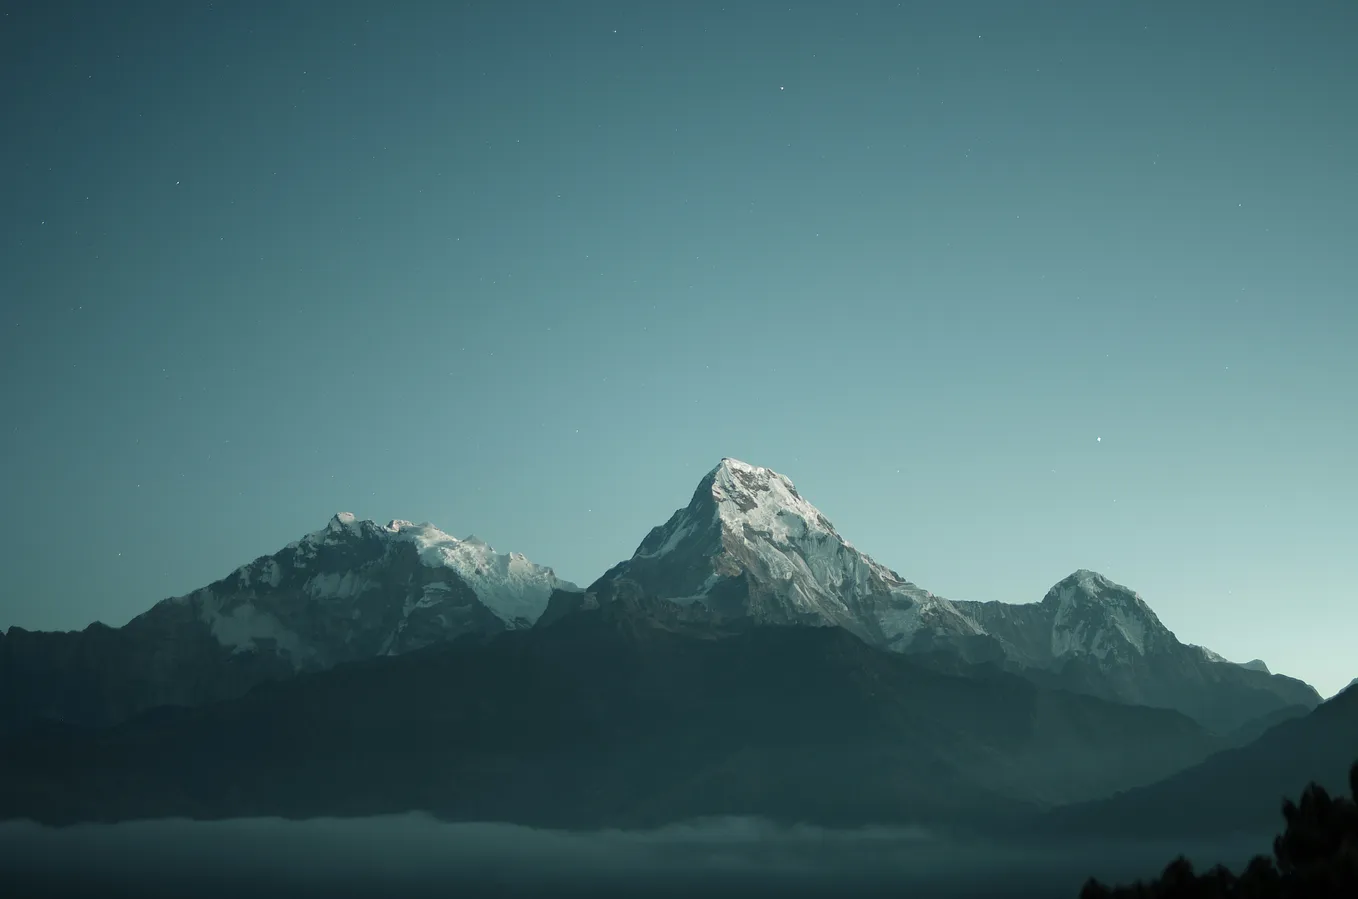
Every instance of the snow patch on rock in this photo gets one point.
(242, 626)
(508, 584)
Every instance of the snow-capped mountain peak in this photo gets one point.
(342, 522)
(1086, 585)
(1094, 615)
(356, 583)
(766, 501)
(749, 544)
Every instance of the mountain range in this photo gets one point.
(618, 716)
(745, 659)
(349, 591)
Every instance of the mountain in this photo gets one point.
(748, 549)
(352, 590)
(1238, 790)
(748, 546)
(621, 715)
(1093, 636)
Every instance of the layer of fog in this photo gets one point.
(412, 855)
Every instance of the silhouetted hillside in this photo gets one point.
(608, 717)
(1234, 790)
(1316, 857)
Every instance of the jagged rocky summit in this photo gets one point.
(748, 546)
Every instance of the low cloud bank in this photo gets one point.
(415, 856)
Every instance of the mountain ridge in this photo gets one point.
(349, 590)
(615, 716)
(747, 550)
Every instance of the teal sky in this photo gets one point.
(1008, 289)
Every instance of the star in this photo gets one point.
(1099, 439)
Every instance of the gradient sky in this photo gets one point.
(1008, 289)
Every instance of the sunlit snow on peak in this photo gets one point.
(1084, 585)
(343, 521)
(1123, 616)
(767, 502)
(508, 584)
(746, 521)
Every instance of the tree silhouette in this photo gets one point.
(1315, 857)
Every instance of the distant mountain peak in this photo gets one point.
(371, 576)
(1091, 585)
(1086, 587)
(749, 545)
(1095, 615)
(350, 591)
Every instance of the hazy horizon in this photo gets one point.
(1007, 290)
(418, 855)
